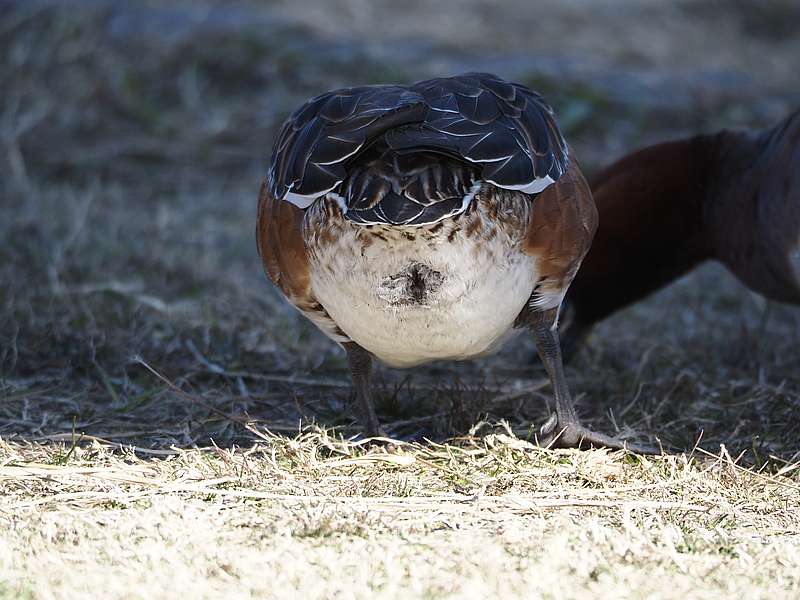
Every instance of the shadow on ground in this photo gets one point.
(134, 139)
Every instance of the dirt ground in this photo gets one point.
(168, 425)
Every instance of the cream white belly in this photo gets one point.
(472, 293)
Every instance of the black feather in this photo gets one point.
(476, 125)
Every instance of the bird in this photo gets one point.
(732, 196)
(431, 221)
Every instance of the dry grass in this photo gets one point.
(316, 516)
(169, 426)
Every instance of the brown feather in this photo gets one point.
(284, 255)
(561, 227)
(733, 196)
(651, 226)
(279, 236)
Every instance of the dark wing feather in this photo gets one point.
(505, 127)
(417, 189)
(311, 147)
(506, 132)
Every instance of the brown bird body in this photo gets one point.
(437, 238)
(733, 196)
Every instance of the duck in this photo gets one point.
(427, 222)
(732, 196)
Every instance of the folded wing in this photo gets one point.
(473, 127)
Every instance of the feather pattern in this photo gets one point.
(413, 155)
(407, 190)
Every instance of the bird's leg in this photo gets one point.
(360, 363)
(572, 332)
(564, 429)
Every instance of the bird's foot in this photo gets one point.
(574, 435)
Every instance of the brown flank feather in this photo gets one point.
(279, 236)
(560, 230)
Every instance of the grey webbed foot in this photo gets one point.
(563, 429)
(575, 435)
